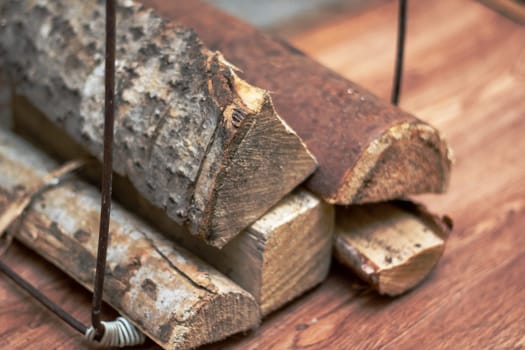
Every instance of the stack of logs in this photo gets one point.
(245, 182)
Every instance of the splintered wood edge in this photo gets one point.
(408, 158)
(393, 246)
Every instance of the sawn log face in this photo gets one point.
(393, 246)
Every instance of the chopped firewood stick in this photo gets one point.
(193, 138)
(367, 149)
(279, 257)
(282, 255)
(172, 296)
(393, 246)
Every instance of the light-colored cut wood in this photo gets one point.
(173, 297)
(192, 137)
(393, 246)
(282, 255)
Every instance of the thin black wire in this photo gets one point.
(401, 33)
(50, 305)
(107, 168)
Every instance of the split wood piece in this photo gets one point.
(393, 246)
(282, 255)
(173, 297)
(193, 138)
(367, 149)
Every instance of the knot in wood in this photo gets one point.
(237, 117)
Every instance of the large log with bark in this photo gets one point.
(367, 149)
(393, 246)
(194, 138)
(280, 256)
(173, 297)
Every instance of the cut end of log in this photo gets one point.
(401, 276)
(214, 320)
(297, 236)
(252, 178)
(393, 246)
(409, 158)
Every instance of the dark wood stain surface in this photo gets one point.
(465, 73)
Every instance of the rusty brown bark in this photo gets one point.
(192, 137)
(173, 297)
(367, 149)
(393, 246)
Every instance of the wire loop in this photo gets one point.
(119, 333)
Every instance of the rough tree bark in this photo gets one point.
(393, 246)
(192, 137)
(367, 149)
(173, 297)
(280, 256)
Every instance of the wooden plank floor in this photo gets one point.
(465, 73)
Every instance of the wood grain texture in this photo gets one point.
(193, 138)
(173, 297)
(367, 149)
(465, 74)
(393, 246)
(280, 256)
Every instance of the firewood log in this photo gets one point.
(280, 256)
(367, 150)
(193, 138)
(393, 246)
(172, 296)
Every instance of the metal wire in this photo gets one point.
(107, 168)
(398, 70)
(50, 305)
(119, 333)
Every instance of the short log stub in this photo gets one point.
(393, 246)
